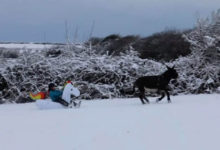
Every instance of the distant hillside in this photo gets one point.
(164, 46)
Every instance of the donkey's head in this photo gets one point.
(171, 73)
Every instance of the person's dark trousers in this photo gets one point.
(61, 101)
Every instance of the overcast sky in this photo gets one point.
(44, 20)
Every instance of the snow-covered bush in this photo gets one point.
(97, 76)
(195, 76)
(200, 72)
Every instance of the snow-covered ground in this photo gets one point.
(26, 46)
(190, 122)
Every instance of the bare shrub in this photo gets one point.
(54, 51)
(10, 54)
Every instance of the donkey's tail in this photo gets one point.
(134, 85)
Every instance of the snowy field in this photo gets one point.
(26, 46)
(189, 123)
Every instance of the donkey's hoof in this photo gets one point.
(145, 103)
(157, 101)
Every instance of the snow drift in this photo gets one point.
(188, 123)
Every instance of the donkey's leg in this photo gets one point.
(168, 96)
(142, 96)
(146, 99)
(162, 96)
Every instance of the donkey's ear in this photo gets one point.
(168, 67)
